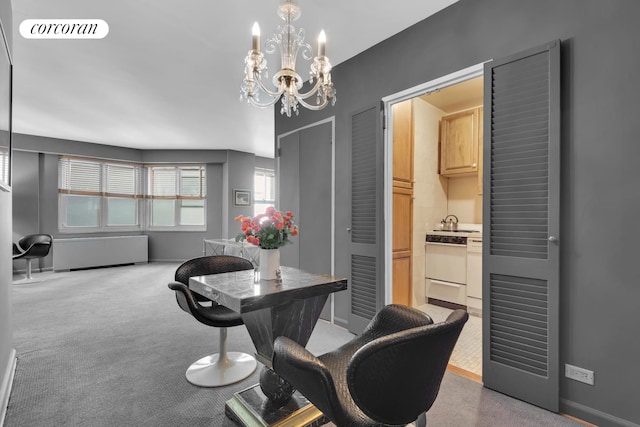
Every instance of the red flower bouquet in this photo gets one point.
(270, 230)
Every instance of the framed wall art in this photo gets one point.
(242, 198)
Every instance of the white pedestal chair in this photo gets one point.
(31, 247)
(225, 367)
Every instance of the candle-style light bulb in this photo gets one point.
(322, 41)
(256, 36)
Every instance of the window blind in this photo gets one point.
(88, 177)
(177, 182)
(264, 186)
(4, 165)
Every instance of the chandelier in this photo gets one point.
(286, 82)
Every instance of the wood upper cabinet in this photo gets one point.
(459, 142)
(403, 144)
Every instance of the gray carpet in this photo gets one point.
(109, 347)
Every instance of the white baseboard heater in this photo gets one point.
(86, 252)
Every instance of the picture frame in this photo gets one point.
(242, 198)
(6, 71)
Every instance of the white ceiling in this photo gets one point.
(460, 96)
(169, 71)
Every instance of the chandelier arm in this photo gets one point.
(276, 94)
(311, 91)
(255, 103)
(314, 107)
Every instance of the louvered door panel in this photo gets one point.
(363, 179)
(520, 158)
(519, 317)
(521, 213)
(363, 286)
(366, 181)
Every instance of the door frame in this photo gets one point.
(388, 101)
(331, 120)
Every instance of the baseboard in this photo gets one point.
(341, 322)
(5, 386)
(464, 373)
(593, 416)
(35, 270)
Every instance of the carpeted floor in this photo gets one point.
(109, 347)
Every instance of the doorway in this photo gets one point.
(520, 251)
(434, 196)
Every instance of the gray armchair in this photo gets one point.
(388, 376)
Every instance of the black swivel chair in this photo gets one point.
(224, 367)
(388, 376)
(31, 247)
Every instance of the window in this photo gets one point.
(264, 190)
(177, 197)
(97, 195)
(4, 164)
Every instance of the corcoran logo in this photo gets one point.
(64, 29)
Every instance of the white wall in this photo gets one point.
(6, 330)
(7, 353)
(464, 200)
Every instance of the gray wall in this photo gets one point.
(35, 191)
(599, 289)
(6, 334)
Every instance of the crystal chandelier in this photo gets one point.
(287, 83)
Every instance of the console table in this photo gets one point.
(231, 247)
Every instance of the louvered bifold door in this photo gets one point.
(366, 271)
(521, 224)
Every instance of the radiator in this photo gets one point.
(85, 252)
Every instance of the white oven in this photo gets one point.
(446, 268)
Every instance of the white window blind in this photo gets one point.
(99, 178)
(177, 195)
(264, 185)
(4, 164)
(123, 180)
(80, 177)
(98, 195)
(177, 182)
(264, 188)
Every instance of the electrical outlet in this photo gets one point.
(578, 374)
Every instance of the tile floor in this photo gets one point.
(467, 353)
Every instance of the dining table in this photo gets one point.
(289, 306)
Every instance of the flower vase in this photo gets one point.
(269, 264)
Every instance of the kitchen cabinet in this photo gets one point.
(402, 219)
(403, 176)
(402, 246)
(403, 144)
(402, 277)
(459, 143)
